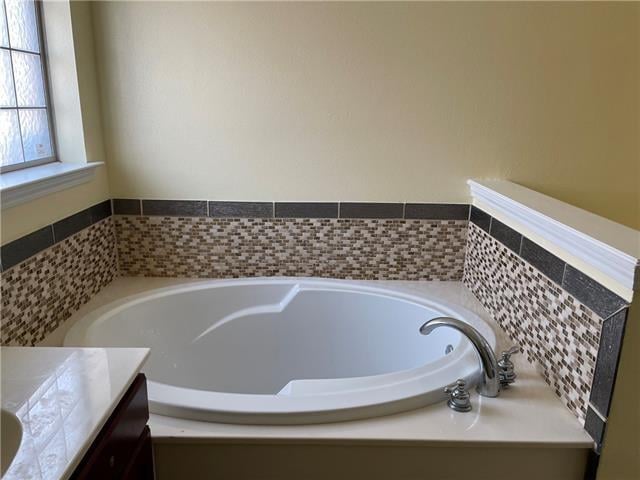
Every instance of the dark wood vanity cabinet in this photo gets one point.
(122, 450)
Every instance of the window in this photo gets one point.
(25, 118)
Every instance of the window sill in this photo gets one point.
(22, 186)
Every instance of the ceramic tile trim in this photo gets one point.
(595, 426)
(609, 351)
(43, 290)
(371, 210)
(127, 206)
(571, 326)
(175, 208)
(239, 209)
(306, 210)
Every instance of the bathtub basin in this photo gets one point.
(286, 351)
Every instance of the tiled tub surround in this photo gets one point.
(393, 241)
(49, 274)
(569, 326)
(320, 247)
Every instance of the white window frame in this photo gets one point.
(45, 78)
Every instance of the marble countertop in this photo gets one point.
(62, 398)
(528, 414)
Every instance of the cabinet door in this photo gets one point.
(141, 465)
(113, 449)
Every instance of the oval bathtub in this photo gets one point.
(286, 351)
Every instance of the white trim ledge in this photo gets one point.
(24, 185)
(605, 247)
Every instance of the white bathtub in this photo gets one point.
(286, 351)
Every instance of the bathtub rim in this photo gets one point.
(318, 408)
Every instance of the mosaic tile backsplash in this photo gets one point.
(392, 249)
(557, 333)
(41, 292)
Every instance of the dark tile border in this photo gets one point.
(241, 209)
(81, 220)
(100, 211)
(437, 211)
(306, 210)
(21, 249)
(175, 208)
(595, 427)
(607, 362)
(70, 225)
(371, 210)
(505, 235)
(543, 260)
(594, 295)
(127, 206)
(480, 218)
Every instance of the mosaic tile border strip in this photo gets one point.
(210, 247)
(41, 292)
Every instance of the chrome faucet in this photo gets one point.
(490, 386)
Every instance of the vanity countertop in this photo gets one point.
(62, 398)
(529, 414)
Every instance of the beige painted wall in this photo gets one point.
(379, 102)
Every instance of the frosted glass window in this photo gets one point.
(25, 129)
(4, 32)
(23, 26)
(11, 145)
(34, 125)
(7, 90)
(27, 73)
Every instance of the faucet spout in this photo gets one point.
(490, 386)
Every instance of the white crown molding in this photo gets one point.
(24, 185)
(616, 257)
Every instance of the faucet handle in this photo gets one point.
(459, 398)
(513, 350)
(506, 371)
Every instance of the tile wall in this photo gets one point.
(48, 274)
(569, 326)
